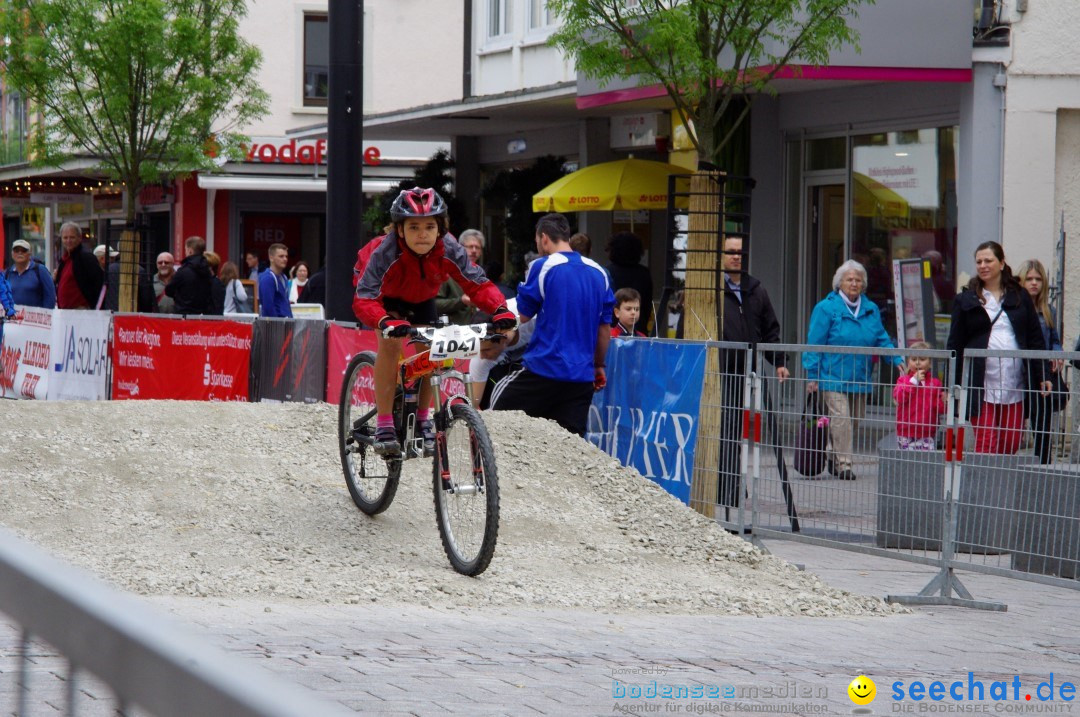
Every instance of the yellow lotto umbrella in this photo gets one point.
(872, 198)
(622, 184)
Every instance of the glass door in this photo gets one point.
(824, 239)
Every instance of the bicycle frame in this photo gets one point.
(412, 370)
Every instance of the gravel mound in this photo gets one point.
(248, 500)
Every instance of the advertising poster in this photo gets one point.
(80, 356)
(344, 342)
(914, 302)
(189, 360)
(647, 416)
(289, 361)
(25, 356)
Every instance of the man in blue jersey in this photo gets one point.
(571, 299)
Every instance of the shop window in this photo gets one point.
(498, 18)
(827, 153)
(540, 16)
(903, 205)
(316, 60)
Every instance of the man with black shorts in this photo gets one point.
(571, 299)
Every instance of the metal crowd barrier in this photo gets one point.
(1016, 489)
(82, 648)
(871, 463)
(725, 399)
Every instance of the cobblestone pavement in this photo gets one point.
(389, 660)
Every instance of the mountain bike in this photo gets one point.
(464, 478)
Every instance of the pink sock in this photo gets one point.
(423, 414)
(386, 421)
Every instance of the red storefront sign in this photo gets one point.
(275, 150)
(262, 230)
(343, 343)
(185, 359)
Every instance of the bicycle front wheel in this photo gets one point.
(372, 479)
(466, 491)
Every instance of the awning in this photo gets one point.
(283, 184)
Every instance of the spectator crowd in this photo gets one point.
(569, 308)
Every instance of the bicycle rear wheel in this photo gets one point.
(372, 479)
(466, 490)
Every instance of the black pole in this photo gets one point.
(344, 140)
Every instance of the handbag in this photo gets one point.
(242, 307)
(1059, 391)
(811, 442)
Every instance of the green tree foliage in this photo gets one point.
(145, 86)
(437, 173)
(513, 189)
(704, 53)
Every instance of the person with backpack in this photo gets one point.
(31, 283)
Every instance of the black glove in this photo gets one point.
(504, 319)
(394, 328)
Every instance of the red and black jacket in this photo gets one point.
(618, 331)
(386, 267)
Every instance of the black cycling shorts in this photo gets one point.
(422, 314)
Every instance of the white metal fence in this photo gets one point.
(80, 648)
(851, 452)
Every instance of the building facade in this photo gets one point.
(278, 193)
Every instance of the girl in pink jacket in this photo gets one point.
(920, 401)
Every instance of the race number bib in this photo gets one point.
(454, 342)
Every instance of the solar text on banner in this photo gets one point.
(342, 343)
(24, 359)
(190, 359)
(647, 416)
(289, 360)
(80, 355)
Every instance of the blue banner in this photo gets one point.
(647, 416)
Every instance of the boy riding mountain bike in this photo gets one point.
(397, 277)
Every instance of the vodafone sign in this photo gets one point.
(276, 150)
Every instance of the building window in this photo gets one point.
(498, 18)
(539, 15)
(903, 205)
(316, 60)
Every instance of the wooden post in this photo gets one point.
(702, 321)
(129, 271)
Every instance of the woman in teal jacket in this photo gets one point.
(844, 318)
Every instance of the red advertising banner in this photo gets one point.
(188, 359)
(343, 343)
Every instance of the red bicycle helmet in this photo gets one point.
(417, 202)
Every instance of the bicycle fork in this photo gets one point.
(441, 452)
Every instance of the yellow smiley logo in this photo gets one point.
(862, 690)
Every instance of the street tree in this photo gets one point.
(713, 58)
(152, 89)
(704, 53)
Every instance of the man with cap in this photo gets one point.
(30, 281)
(145, 297)
(99, 253)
